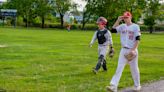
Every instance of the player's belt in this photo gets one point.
(126, 48)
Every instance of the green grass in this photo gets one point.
(51, 60)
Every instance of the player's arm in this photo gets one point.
(136, 43)
(93, 39)
(111, 52)
(110, 39)
(113, 30)
(116, 24)
(137, 37)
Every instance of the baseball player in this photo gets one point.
(130, 37)
(104, 41)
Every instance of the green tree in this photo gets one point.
(152, 13)
(111, 9)
(24, 9)
(89, 11)
(161, 13)
(42, 8)
(115, 8)
(61, 6)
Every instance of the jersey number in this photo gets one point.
(131, 37)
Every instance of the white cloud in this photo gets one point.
(81, 4)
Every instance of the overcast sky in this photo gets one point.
(161, 1)
(2, 0)
(81, 3)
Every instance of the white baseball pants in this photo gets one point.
(133, 67)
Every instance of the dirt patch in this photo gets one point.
(157, 86)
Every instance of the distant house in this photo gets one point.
(79, 19)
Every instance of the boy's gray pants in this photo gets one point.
(102, 52)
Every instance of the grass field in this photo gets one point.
(50, 60)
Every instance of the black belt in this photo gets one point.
(126, 48)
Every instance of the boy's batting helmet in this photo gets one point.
(102, 20)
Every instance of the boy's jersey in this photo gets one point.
(101, 36)
(104, 37)
(128, 34)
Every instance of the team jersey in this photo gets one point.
(107, 35)
(128, 34)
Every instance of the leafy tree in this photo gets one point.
(161, 13)
(24, 9)
(152, 13)
(89, 11)
(42, 8)
(61, 6)
(111, 9)
(115, 8)
(150, 22)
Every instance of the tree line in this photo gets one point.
(150, 10)
(31, 9)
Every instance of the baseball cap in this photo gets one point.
(102, 20)
(127, 14)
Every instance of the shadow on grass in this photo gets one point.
(2, 90)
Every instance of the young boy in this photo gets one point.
(104, 41)
(130, 37)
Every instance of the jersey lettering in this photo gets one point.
(131, 35)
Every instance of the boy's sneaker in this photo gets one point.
(95, 71)
(137, 88)
(111, 88)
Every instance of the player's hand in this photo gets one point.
(132, 51)
(131, 55)
(120, 18)
(111, 52)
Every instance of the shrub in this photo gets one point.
(143, 28)
(159, 28)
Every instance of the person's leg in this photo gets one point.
(116, 78)
(104, 65)
(135, 71)
(104, 53)
(121, 64)
(68, 27)
(99, 63)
